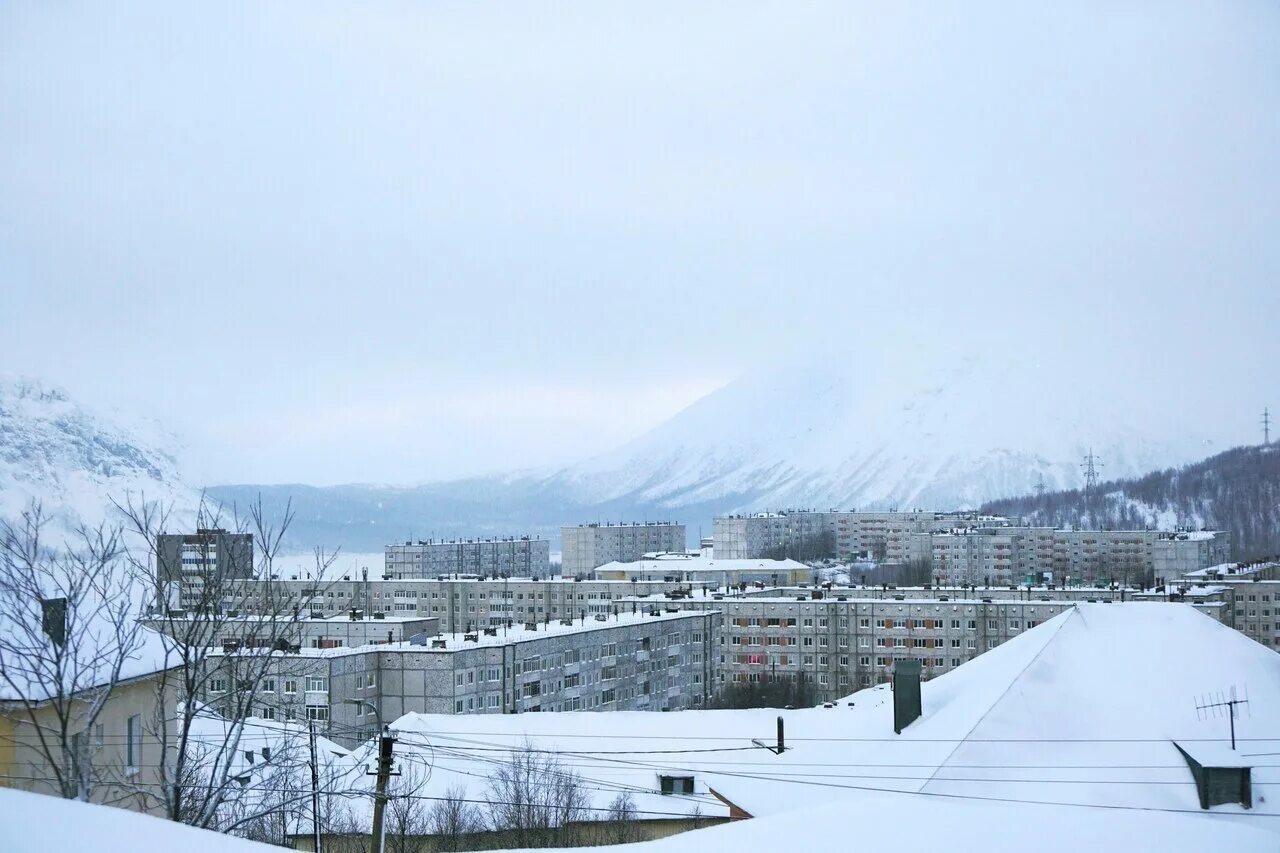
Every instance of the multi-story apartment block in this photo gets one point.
(1175, 554)
(1253, 594)
(587, 546)
(850, 638)
(696, 570)
(188, 563)
(643, 661)
(883, 536)
(1009, 554)
(464, 604)
(517, 555)
(350, 629)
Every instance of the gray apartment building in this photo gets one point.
(464, 604)
(354, 628)
(1008, 554)
(188, 563)
(884, 536)
(528, 556)
(652, 660)
(850, 638)
(1252, 591)
(587, 546)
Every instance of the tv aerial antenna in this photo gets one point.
(1217, 705)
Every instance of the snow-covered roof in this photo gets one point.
(1227, 571)
(1081, 711)
(913, 823)
(517, 633)
(34, 823)
(694, 563)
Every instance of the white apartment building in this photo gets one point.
(586, 546)
(528, 556)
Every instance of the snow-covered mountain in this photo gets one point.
(863, 433)
(870, 430)
(74, 461)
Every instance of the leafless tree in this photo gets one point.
(225, 635)
(621, 819)
(452, 817)
(531, 795)
(408, 819)
(68, 637)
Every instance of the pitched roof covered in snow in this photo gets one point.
(1081, 711)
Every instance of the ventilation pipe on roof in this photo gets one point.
(906, 694)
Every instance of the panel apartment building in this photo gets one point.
(850, 639)
(630, 662)
(188, 563)
(1006, 554)
(464, 604)
(587, 546)
(884, 536)
(428, 558)
(1252, 591)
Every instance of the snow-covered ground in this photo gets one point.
(35, 823)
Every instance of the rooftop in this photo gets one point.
(517, 633)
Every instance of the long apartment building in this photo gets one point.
(884, 536)
(586, 546)
(1252, 591)
(1009, 554)
(849, 639)
(528, 556)
(461, 604)
(654, 660)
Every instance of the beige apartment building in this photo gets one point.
(123, 750)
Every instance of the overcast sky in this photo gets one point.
(396, 242)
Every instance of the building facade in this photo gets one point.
(651, 660)
(465, 604)
(1009, 554)
(587, 546)
(123, 750)
(527, 556)
(882, 536)
(848, 639)
(187, 563)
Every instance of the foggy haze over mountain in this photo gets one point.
(332, 244)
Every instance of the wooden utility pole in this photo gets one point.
(385, 745)
(315, 785)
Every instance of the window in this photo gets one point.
(290, 686)
(269, 685)
(217, 685)
(132, 746)
(317, 683)
(675, 784)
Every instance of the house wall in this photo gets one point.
(116, 782)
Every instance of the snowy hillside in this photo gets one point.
(54, 450)
(870, 431)
(1237, 491)
(867, 433)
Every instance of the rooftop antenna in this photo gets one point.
(1215, 705)
(1090, 467)
(1266, 427)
